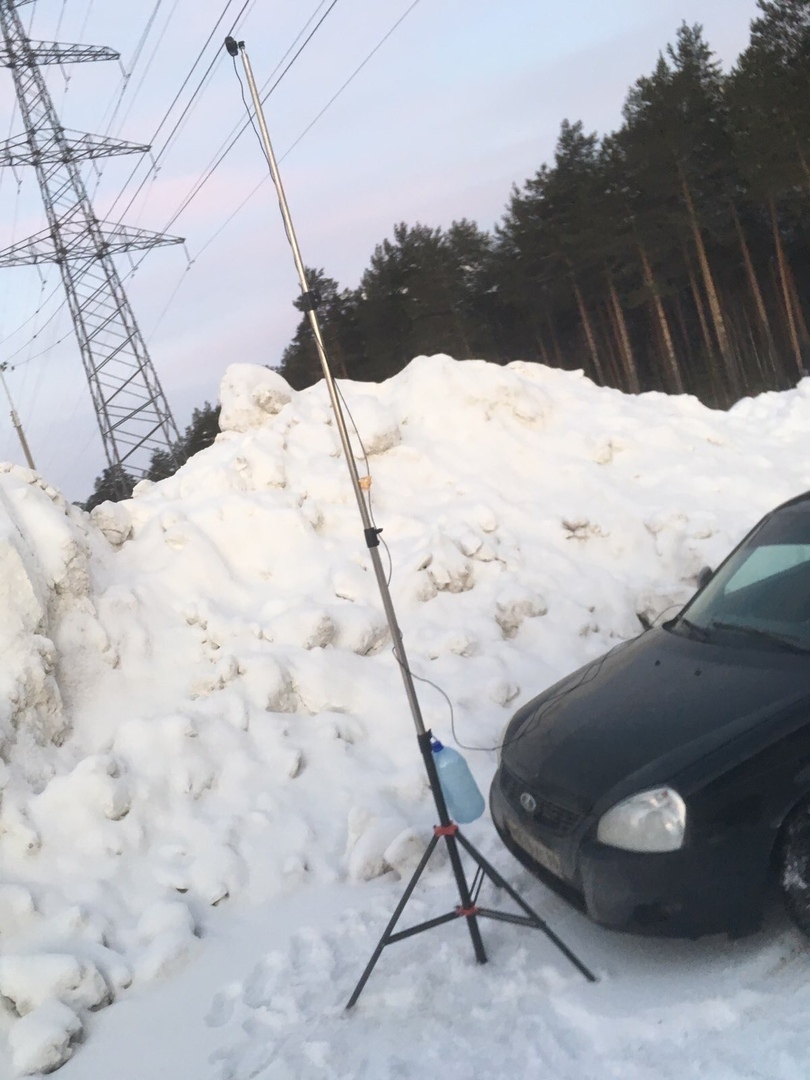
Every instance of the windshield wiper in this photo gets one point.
(784, 640)
(699, 633)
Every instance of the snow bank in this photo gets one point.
(199, 700)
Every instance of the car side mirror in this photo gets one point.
(704, 576)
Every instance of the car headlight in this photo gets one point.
(650, 821)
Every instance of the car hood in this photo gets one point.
(649, 709)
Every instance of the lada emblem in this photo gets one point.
(528, 802)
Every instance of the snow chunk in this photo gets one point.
(376, 423)
(169, 933)
(16, 909)
(516, 604)
(447, 566)
(370, 840)
(114, 521)
(43, 1040)
(30, 981)
(249, 395)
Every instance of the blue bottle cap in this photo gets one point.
(436, 746)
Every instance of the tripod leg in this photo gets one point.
(464, 896)
(495, 877)
(541, 924)
(375, 956)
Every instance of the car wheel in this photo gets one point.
(794, 865)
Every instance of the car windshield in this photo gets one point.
(760, 597)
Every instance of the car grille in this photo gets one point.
(551, 815)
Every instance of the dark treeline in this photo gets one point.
(672, 254)
(115, 483)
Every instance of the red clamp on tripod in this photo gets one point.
(445, 830)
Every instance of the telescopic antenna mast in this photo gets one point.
(446, 829)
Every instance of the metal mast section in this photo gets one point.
(132, 410)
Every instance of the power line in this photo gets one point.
(306, 130)
(86, 19)
(176, 98)
(13, 333)
(59, 20)
(142, 41)
(243, 127)
(149, 63)
(181, 122)
(239, 131)
(34, 337)
(350, 79)
(132, 64)
(265, 178)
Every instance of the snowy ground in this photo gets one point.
(210, 783)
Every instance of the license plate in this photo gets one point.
(547, 858)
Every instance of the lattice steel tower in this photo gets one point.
(132, 410)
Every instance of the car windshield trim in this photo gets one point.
(787, 642)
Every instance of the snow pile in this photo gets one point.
(44, 586)
(200, 705)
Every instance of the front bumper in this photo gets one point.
(701, 889)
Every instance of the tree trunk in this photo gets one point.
(612, 346)
(555, 341)
(685, 335)
(781, 262)
(623, 338)
(589, 334)
(753, 283)
(738, 345)
(718, 389)
(701, 311)
(458, 324)
(708, 280)
(663, 323)
(541, 348)
(802, 158)
(753, 339)
(797, 306)
(336, 352)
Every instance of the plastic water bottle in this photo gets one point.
(464, 800)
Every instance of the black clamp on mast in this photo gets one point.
(372, 537)
(310, 300)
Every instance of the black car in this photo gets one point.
(662, 787)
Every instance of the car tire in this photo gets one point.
(794, 865)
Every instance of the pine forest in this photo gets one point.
(672, 254)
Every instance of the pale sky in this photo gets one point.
(463, 100)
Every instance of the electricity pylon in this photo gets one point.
(133, 414)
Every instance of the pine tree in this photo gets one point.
(677, 144)
(114, 484)
(342, 337)
(414, 296)
(673, 254)
(767, 95)
(202, 431)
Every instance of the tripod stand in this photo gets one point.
(446, 830)
(468, 894)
